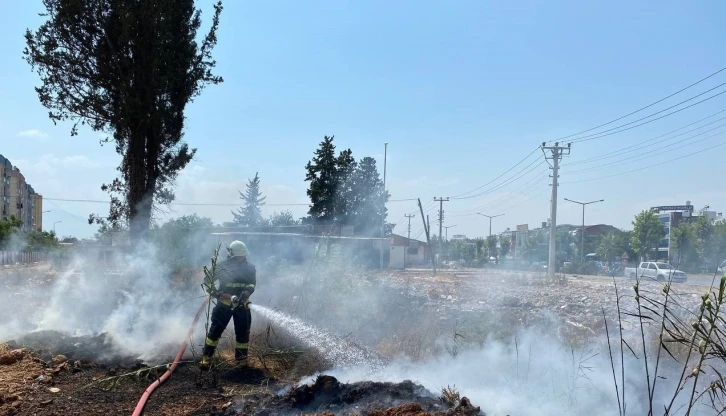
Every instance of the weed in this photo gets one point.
(450, 396)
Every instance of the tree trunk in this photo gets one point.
(142, 151)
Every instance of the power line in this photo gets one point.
(192, 204)
(599, 135)
(72, 215)
(647, 167)
(507, 171)
(522, 173)
(638, 145)
(643, 108)
(524, 188)
(640, 157)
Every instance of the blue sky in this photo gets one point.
(461, 91)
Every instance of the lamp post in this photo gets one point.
(57, 222)
(490, 220)
(582, 233)
(447, 230)
(383, 217)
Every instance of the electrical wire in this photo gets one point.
(599, 135)
(498, 177)
(640, 144)
(642, 108)
(646, 167)
(193, 204)
(499, 201)
(522, 173)
(656, 153)
(528, 185)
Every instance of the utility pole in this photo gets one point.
(441, 201)
(582, 233)
(408, 241)
(428, 238)
(383, 217)
(556, 153)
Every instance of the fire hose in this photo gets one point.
(147, 393)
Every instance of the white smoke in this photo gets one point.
(538, 377)
(138, 308)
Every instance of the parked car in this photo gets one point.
(657, 271)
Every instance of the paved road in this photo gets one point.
(693, 279)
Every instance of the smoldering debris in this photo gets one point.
(330, 397)
(87, 349)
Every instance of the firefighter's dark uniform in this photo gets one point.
(235, 277)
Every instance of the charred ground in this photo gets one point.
(402, 314)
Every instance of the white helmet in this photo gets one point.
(238, 249)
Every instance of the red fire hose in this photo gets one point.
(147, 393)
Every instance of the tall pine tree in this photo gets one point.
(127, 69)
(250, 214)
(368, 198)
(345, 188)
(322, 173)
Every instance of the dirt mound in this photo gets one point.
(97, 349)
(329, 397)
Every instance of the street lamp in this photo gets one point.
(490, 220)
(383, 217)
(582, 233)
(447, 230)
(57, 222)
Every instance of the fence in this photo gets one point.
(21, 257)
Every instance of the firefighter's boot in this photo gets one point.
(205, 363)
(240, 353)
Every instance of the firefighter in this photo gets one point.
(236, 282)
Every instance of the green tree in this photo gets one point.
(566, 246)
(536, 246)
(686, 246)
(250, 214)
(322, 173)
(613, 245)
(344, 195)
(491, 246)
(283, 218)
(505, 245)
(367, 199)
(180, 241)
(718, 245)
(8, 227)
(126, 68)
(40, 240)
(647, 233)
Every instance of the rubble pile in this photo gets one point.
(327, 396)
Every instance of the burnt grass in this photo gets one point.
(328, 396)
(89, 379)
(96, 349)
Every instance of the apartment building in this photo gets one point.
(38, 212)
(17, 194)
(18, 198)
(6, 169)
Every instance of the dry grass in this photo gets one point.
(450, 396)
